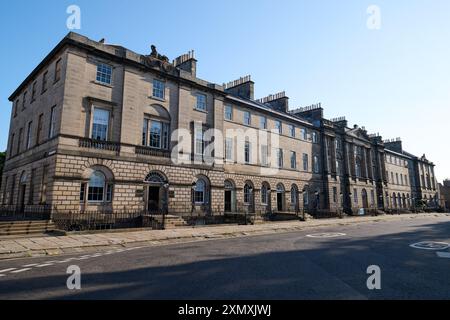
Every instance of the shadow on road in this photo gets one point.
(320, 269)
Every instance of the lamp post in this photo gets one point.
(300, 193)
(193, 186)
(166, 205)
(350, 202)
(250, 189)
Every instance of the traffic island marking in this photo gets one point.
(326, 235)
(430, 245)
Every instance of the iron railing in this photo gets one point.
(147, 151)
(106, 220)
(99, 144)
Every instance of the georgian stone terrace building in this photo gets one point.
(98, 127)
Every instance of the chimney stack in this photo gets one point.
(187, 62)
(243, 87)
(278, 102)
(394, 145)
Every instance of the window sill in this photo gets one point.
(158, 99)
(107, 85)
(200, 110)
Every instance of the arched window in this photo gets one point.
(199, 192)
(98, 189)
(306, 197)
(264, 194)
(294, 195)
(248, 193)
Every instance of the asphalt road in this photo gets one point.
(278, 266)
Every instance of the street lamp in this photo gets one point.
(166, 205)
(193, 187)
(350, 194)
(299, 193)
(250, 190)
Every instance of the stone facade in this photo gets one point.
(99, 127)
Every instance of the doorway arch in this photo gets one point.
(280, 197)
(230, 196)
(156, 198)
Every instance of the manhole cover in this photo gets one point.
(326, 235)
(430, 245)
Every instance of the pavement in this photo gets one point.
(76, 243)
(325, 260)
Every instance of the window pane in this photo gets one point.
(96, 186)
(104, 73)
(201, 102)
(100, 124)
(158, 89)
(155, 134)
(247, 118)
(228, 113)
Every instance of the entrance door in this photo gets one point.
(364, 199)
(280, 201)
(153, 199)
(228, 201)
(23, 189)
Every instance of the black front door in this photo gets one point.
(280, 202)
(23, 189)
(153, 199)
(228, 201)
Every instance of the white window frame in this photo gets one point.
(293, 159)
(93, 122)
(159, 89)
(199, 104)
(228, 113)
(102, 74)
(247, 116)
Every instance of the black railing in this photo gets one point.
(96, 220)
(147, 151)
(108, 220)
(99, 144)
(26, 212)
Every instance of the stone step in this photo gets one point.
(32, 222)
(11, 228)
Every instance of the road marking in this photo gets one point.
(7, 270)
(445, 255)
(21, 270)
(44, 265)
(326, 235)
(430, 245)
(30, 265)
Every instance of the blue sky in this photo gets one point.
(395, 81)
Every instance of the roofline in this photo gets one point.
(269, 110)
(44, 62)
(70, 39)
(398, 153)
